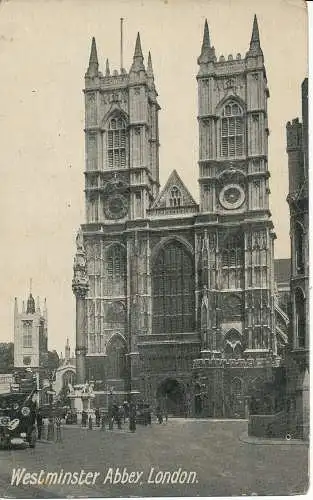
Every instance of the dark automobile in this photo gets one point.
(71, 417)
(17, 420)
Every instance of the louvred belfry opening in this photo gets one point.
(117, 143)
(232, 130)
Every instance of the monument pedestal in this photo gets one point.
(81, 398)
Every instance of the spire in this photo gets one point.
(67, 350)
(93, 59)
(45, 311)
(150, 76)
(255, 31)
(138, 57)
(207, 52)
(138, 51)
(149, 67)
(30, 309)
(93, 53)
(15, 307)
(255, 47)
(206, 44)
(107, 68)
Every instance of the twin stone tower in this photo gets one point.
(175, 299)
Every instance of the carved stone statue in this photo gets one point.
(80, 240)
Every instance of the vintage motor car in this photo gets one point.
(17, 420)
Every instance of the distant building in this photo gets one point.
(30, 334)
(66, 372)
(6, 381)
(298, 200)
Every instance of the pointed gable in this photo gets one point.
(174, 198)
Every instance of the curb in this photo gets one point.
(275, 441)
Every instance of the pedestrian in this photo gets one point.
(132, 417)
(97, 415)
(121, 417)
(84, 419)
(110, 417)
(58, 428)
(39, 421)
(115, 413)
(166, 413)
(149, 415)
(146, 414)
(166, 409)
(126, 410)
(159, 415)
(103, 422)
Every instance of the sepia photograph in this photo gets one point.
(154, 201)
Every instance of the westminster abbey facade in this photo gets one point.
(180, 304)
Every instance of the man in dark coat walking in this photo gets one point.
(132, 417)
(39, 423)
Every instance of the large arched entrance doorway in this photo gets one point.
(172, 397)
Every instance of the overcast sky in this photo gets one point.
(44, 51)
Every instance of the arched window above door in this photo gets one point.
(173, 289)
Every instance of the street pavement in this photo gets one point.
(216, 460)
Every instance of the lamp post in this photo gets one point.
(50, 435)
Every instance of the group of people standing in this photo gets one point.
(116, 414)
(140, 413)
(161, 415)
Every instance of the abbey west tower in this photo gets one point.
(121, 182)
(180, 300)
(235, 239)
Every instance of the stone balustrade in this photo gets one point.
(237, 363)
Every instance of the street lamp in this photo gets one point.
(51, 392)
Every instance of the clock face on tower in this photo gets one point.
(232, 196)
(116, 207)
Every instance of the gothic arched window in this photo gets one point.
(115, 271)
(175, 197)
(173, 290)
(232, 130)
(232, 344)
(236, 387)
(116, 143)
(116, 358)
(69, 377)
(300, 317)
(232, 251)
(232, 254)
(299, 248)
(27, 333)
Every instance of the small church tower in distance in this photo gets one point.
(30, 333)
